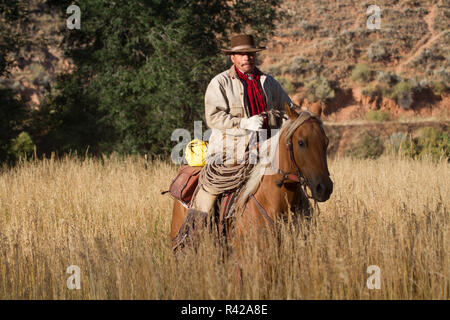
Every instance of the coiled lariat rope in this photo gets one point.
(219, 177)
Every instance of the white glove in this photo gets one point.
(253, 123)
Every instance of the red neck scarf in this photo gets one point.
(254, 92)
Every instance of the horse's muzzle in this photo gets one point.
(322, 190)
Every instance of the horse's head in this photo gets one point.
(309, 152)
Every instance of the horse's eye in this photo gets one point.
(301, 143)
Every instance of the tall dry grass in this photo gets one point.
(108, 217)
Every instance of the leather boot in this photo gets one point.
(188, 234)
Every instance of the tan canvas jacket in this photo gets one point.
(224, 108)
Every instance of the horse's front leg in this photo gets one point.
(248, 230)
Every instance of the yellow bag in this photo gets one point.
(196, 153)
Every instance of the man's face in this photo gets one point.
(244, 61)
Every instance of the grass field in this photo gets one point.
(109, 218)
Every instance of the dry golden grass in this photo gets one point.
(108, 218)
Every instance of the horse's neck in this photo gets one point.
(277, 200)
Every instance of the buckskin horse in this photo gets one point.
(271, 190)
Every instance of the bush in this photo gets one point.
(386, 77)
(21, 146)
(429, 141)
(299, 65)
(439, 88)
(378, 115)
(361, 73)
(319, 89)
(402, 93)
(368, 146)
(377, 51)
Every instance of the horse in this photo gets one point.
(271, 191)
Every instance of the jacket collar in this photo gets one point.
(233, 74)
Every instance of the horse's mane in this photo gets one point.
(268, 151)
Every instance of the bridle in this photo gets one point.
(294, 175)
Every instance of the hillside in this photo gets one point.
(323, 52)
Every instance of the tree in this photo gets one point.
(142, 68)
(12, 110)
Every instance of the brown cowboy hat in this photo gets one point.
(242, 43)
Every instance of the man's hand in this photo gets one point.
(253, 123)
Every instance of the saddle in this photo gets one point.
(184, 184)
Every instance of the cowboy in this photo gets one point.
(234, 102)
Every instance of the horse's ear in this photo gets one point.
(315, 108)
(290, 111)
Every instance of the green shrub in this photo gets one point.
(378, 51)
(429, 141)
(388, 78)
(21, 146)
(361, 73)
(439, 88)
(299, 65)
(319, 88)
(378, 115)
(368, 146)
(402, 93)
